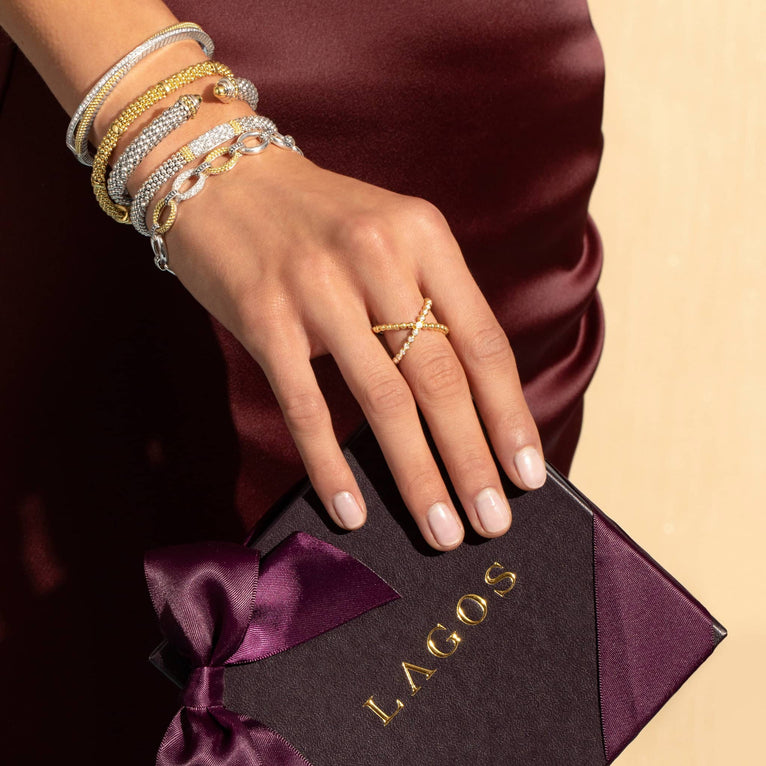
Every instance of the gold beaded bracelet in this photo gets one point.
(135, 109)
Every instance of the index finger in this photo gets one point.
(490, 366)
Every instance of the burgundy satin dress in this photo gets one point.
(129, 419)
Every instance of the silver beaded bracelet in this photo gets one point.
(159, 128)
(199, 175)
(96, 96)
(192, 151)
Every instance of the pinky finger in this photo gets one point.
(308, 419)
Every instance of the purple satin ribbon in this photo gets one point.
(219, 605)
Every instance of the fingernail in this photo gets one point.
(348, 510)
(531, 467)
(493, 510)
(444, 524)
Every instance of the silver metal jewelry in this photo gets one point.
(176, 33)
(159, 128)
(199, 175)
(192, 151)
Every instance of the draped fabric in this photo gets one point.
(128, 418)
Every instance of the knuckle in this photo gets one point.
(440, 376)
(305, 412)
(489, 348)
(426, 216)
(517, 426)
(324, 471)
(386, 396)
(366, 232)
(475, 465)
(420, 482)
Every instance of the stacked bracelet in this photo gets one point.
(173, 117)
(131, 113)
(111, 193)
(86, 112)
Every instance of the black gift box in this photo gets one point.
(553, 644)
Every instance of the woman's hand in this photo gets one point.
(296, 262)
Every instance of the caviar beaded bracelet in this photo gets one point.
(85, 114)
(158, 129)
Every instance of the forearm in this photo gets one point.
(72, 43)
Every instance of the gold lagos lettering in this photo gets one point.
(504, 575)
(463, 616)
(431, 644)
(409, 668)
(385, 717)
(471, 609)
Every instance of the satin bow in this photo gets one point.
(218, 604)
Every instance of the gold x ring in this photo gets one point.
(415, 327)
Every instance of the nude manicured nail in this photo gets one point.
(493, 510)
(531, 467)
(348, 510)
(444, 524)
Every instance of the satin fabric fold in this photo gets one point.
(219, 604)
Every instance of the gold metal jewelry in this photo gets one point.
(128, 115)
(416, 326)
(442, 328)
(172, 207)
(216, 170)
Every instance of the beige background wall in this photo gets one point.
(673, 444)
